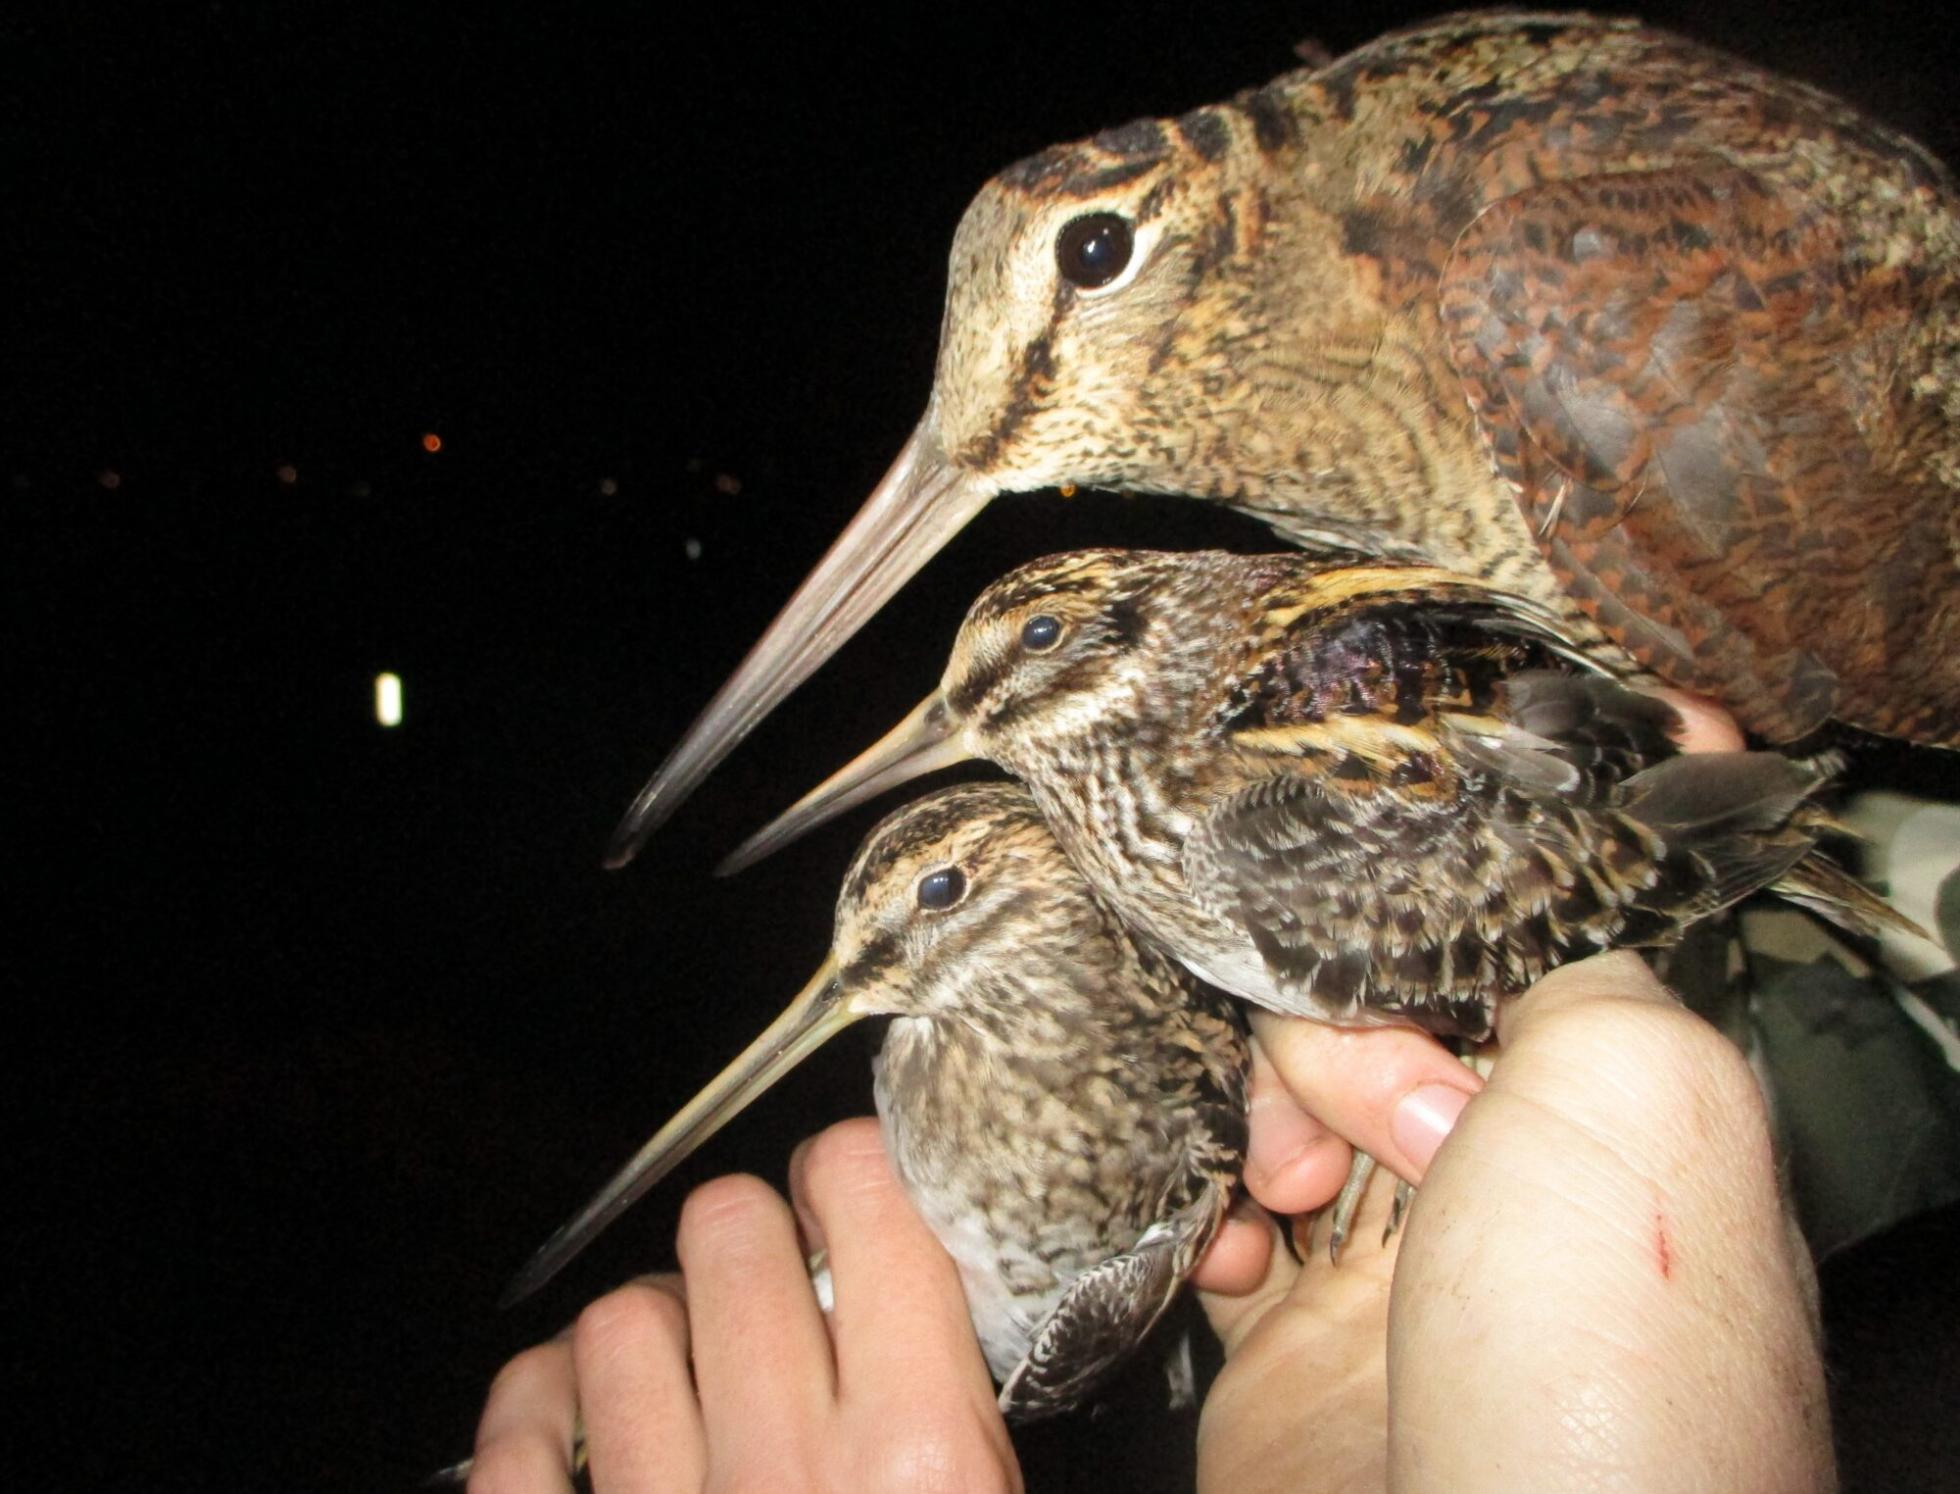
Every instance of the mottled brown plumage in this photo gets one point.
(1063, 1103)
(1363, 794)
(1664, 342)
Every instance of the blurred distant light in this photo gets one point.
(726, 484)
(431, 442)
(693, 548)
(287, 473)
(109, 478)
(607, 487)
(388, 699)
(1067, 490)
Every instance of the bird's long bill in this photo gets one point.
(818, 1013)
(921, 503)
(926, 740)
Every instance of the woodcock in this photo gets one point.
(1065, 1106)
(1664, 342)
(1363, 794)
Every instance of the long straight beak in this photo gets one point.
(818, 1013)
(921, 503)
(926, 740)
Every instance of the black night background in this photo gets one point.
(319, 1027)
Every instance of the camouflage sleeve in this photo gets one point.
(1858, 1047)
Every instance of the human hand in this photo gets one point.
(1597, 1283)
(887, 1392)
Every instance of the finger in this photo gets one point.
(1315, 1289)
(1392, 1092)
(1302, 1400)
(1233, 1313)
(899, 1316)
(1236, 1261)
(524, 1441)
(1619, 976)
(1293, 1164)
(762, 1359)
(643, 1426)
(1705, 726)
(808, 1227)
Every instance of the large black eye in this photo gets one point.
(1039, 633)
(942, 888)
(1094, 249)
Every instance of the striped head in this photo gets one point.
(1093, 295)
(1105, 325)
(961, 905)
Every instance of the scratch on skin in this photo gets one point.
(1663, 1250)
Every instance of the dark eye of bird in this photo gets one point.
(1039, 633)
(942, 888)
(1094, 249)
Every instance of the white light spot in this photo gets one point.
(388, 699)
(693, 548)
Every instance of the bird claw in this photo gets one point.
(1348, 1203)
(1405, 1191)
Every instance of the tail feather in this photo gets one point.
(1743, 812)
(1721, 793)
(1831, 892)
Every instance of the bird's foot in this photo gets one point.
(1348, 1203)
(1360, 1173)
(1404, 1192)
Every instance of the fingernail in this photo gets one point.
(1423, 1118)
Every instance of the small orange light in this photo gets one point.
(1067, 490)
(431, 442)
(288, 474)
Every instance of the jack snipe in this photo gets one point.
(1064, 1104)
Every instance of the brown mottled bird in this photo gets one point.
(1664, 342)
(1064, 1105)
(1364, 794)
